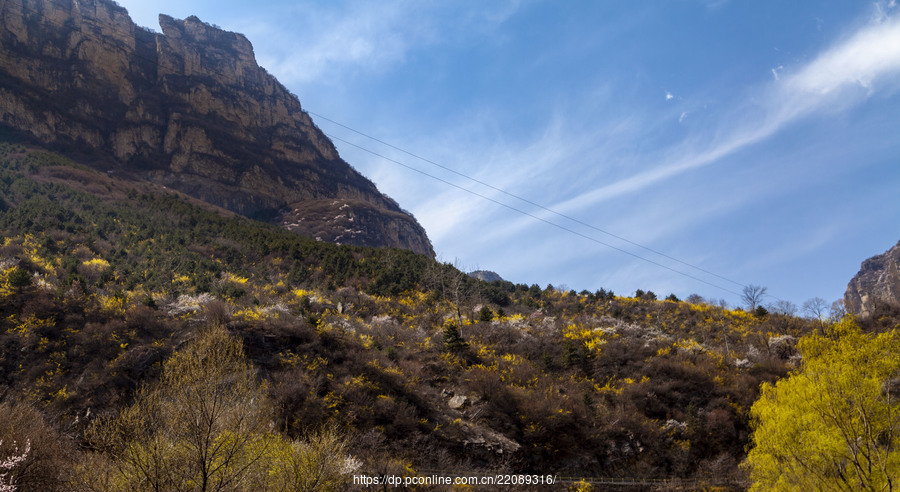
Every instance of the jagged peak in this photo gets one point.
(198, 33)
(189, 109)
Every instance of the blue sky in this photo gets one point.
(759, 141)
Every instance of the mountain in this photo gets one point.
(877, 283)
(129, 295)
(189, 109)
(486, 275)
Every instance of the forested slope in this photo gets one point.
(391, 360)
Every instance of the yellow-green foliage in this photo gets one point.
(12, 280)
(206, 426)
(835, 423)
(30, 252)
(113, 305)
(251, 313)
(96, 264)
(203, 426)
(26, 326)
(593, 339)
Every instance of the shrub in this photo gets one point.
(43, 456)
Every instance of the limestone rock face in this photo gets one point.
(189, 109)
(878, 282)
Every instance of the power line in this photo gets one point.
(523, 212)
(525, 200)
(517, 197)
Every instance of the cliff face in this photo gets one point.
(189, 109)
(878, 282)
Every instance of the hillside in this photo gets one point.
(189, 109)
(418, 366)
(198, 293)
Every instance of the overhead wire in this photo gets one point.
(526, 200)
(472, 179)
(528, 214)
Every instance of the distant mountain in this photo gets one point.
(878, 282)
(486, 275)
(188, 109)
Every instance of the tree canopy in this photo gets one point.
(835, 423)
(206, 426)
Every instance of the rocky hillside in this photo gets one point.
(877, 283)
(189, 109)
(420, 367)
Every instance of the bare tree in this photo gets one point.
(787, 308)
(752, 296)
(453, 284)
(838, 310)
(694, 299)
(205, 426)
(815, 308)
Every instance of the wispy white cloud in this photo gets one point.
(869, 59)
(359, 36)
(865, 59)
(523, 169)
(883, 9)
(796, 94)
(352, 37)
(820, 22)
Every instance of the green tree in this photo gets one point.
(835, 423)
(18, 278)
(453, 340)
(485, 314)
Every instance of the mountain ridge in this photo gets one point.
(189, 109)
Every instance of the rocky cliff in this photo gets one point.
(189, 109)
(878, 282)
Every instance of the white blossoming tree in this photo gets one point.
(8, 464)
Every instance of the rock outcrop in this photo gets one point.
(189, 109)
(486, 275)
(877, 283)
